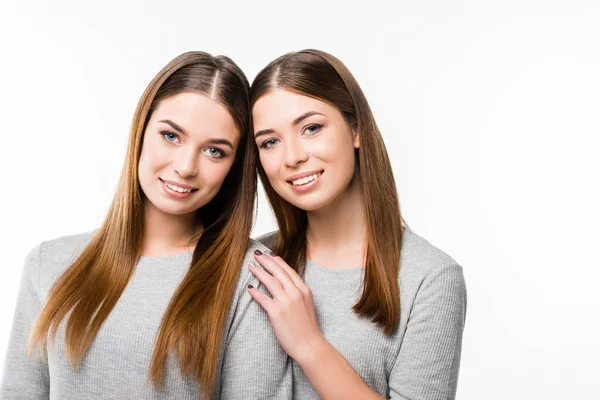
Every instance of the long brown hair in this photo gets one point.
(193, 324)
(320, 75)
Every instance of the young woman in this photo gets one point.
(379, 312)
(153, 305)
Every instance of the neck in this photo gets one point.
(167, 234)
(335, 233)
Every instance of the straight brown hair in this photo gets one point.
(193, 324)
(320, 75)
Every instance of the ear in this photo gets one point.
(356, 139)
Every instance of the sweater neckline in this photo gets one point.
(343, 275)
(170, 259)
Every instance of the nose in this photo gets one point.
(186, 163)
(295, 153)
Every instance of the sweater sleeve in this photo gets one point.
(25, 377)
(255, 366)
(428, 362)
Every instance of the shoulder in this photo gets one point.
(245, 276)
(268, 239)
(66, 244)
(423, 266)
(419, 257)
(54, 256)
(253, 245)
(256, 244)
(64, 247)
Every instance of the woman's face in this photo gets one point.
(189, 147)
(306, 148)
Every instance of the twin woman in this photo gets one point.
(170, 299)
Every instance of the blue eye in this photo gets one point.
(313, 129)
(269, 143)
(215, 152)
(169, 136)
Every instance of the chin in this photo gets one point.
(173, 209)
(309, 207)
(307, 204)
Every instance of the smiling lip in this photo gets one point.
(181, 185)
(305, 187)
(304, 174)
(174, 193)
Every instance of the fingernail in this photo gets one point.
(253, 264)
(272, 254)
(258, 252)
(250, 287)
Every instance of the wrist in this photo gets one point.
(312, 351)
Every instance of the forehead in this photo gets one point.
(282, 106)
(197, 114)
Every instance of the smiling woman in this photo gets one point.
(365, 307)
(320, 133)
(153, 303)
(188, 150)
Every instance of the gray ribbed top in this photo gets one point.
(116, 366)
(421, 359)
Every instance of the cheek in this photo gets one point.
(340, 153)
(326, 149)
(213, 174)
(270, 163)
(349, 157)
(152, 158)
(143, 165)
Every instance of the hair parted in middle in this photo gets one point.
(320, 75)
(193, 324)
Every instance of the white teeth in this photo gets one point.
(177, 188)
(306, 179)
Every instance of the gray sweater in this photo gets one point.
(116, 366)
(420, 361)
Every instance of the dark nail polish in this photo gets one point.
(250, 287)
(273, 254)
(258, 252)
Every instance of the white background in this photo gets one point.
(490, 114)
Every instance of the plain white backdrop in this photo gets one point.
(489, 110)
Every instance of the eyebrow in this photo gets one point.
(304, 116)
(174, 125)
(294, 123)
(220, 141)
(263, 132)
(209, 141)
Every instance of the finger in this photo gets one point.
(272, 284)
(298, 282)
(276, 270)
(265, 301)
(297, 279)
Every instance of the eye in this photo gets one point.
(269, 143)
(312, 129)
(169, 136)
(214, 152)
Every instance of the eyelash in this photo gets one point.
(318, 126)
(264, 145)
(221, 152)
(164, 136)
